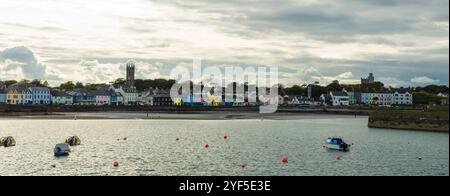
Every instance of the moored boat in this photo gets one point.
(337, 144)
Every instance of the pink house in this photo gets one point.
(102, 98)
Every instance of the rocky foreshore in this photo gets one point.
(435, 121)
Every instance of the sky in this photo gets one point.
(404, 43)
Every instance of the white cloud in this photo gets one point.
(423, 80)
(394, 82)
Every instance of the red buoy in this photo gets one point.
(338, 157)
(285, 160)
(243, 166)
(116, 164)
(178, 139)
(225, 137)
(207, 146)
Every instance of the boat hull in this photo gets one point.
(61, 154)
(336, 147)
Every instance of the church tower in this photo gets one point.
(131, 67)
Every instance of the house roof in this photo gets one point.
(339, 93)
(60, 94)
(40, 88)
(102, 93)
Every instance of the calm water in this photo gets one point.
(151, 148)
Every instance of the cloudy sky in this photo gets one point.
(405, 43)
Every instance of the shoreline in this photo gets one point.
(173, 116)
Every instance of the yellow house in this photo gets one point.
(216, 101)
(177, 101)
(13, 96)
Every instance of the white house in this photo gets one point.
(339, 98)
(146, 98)
(26, 96)
(442, 95)
(402, 97)
(130, 95)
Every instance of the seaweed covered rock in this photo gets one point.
(73, 141)
(7, 141)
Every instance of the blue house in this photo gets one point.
(83, 97)
(116, 98)
(2, 96)
(41, 95)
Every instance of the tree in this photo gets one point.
(295, 90)
(425, 98)
(79, 85)
(375, 100)
(119, 82)
(8, 83)
(67, 86)
(334, 86)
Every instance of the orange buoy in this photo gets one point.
(285, 160)
(116, 164)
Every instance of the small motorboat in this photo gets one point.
(73, 141)
(61, 150)
(7, 142)
(337, 144)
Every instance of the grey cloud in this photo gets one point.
(25, 58)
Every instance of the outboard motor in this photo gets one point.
(73, 141)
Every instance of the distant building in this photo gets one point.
(13, 95)
(83, 97)
(300, 100)
(3, 96)
(116, 98)
(369, 80)
(442, 94)
(162, 98)
(41, 95)
(26, 96)
(130, 95)
(326, 99)
(146, 98)
(402, 97)
(131, 68)
(339, 98)
(381, 99)
(61, 98)
(102, 98)
(352, 98)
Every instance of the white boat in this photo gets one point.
(61, 150)
(337, 144)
